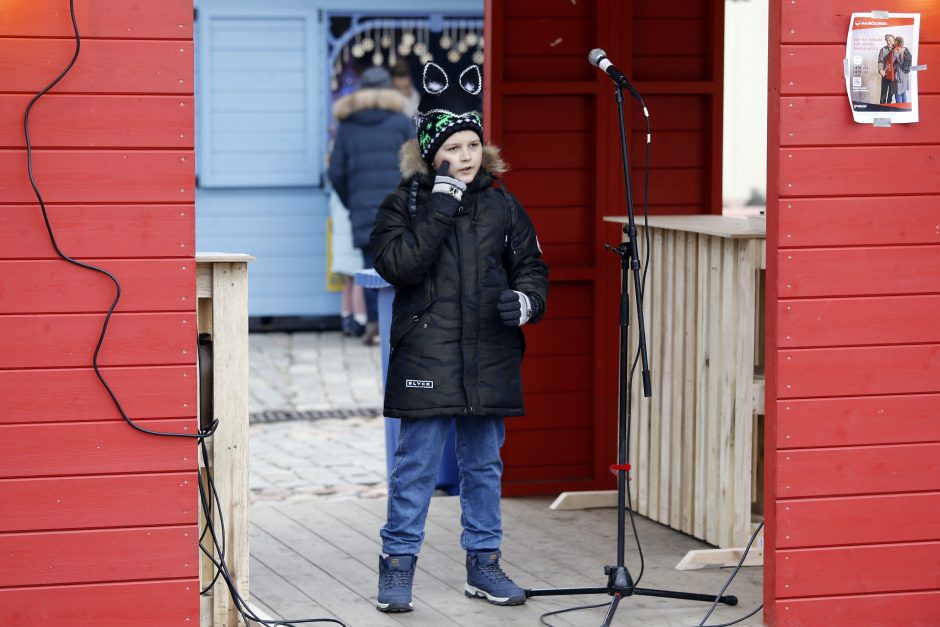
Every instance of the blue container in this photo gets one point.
(449, 477)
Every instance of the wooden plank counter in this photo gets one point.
(692, 444)
(222, 292)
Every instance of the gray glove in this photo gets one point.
(447, 191)
(515, 308)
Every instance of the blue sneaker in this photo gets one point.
(486, 580)
(396, 574)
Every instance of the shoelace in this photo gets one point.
(395, 578)
(494, 573)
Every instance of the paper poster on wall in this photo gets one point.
(881, 56)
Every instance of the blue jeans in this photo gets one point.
(417, 461)
(902, 97)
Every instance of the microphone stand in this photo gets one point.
(619, 582)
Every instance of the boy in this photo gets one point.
(467, 266)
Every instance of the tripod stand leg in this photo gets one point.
(611, 610)
(728, 599)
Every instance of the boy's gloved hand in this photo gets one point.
(447, 191)
(515, 308)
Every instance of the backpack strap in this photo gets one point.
(512, 212)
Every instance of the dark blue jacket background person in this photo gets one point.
(364, 164)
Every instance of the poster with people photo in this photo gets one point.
(881, 59)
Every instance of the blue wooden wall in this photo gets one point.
(261, 116)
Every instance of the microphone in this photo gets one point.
(598, 58)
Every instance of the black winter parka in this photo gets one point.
(450, 353)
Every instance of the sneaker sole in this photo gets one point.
(473, 592)
(394, 607)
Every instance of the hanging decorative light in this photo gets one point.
(368, 42)
(357, 50)
(446, 41)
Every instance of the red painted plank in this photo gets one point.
(679, 10)
(103, 66)
(818, 21)
(668, 186)
(686, 37)
(817, 70)
(549, 8)
(89, 502)
(859, 321)
(60, 287)
(567, 299)
(547, 410)
(548, 448)
(547, 37)
(32, 396)
(568, 255)
(858, 520)
(569, 188)
(685, 112)
(670, 149)
(869, 569)
(537, 476)
(562, 225)
(70, 449)
(118, 18)
(864, 470)
(69, 121)
(551, 373)
(858, 421)
(858, 271)
(68, 340)
(100, 176)
(565, 336)
(908, 609)
(857, 221)
(99, 556)
(666, 69)
(141, 604)
(549, 150)
(809, 120)
(99, 231)
(540, 114)
(811, 171)
(858, 371)
(528, 69)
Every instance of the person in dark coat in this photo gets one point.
(364, 164)
(465, 260)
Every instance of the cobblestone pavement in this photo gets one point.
(315, 432)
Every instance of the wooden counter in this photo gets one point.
(692, 444)
(222, 292)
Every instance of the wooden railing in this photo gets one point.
(693, 448)
(222, 292)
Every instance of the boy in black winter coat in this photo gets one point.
(466, 262)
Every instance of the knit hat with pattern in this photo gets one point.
(447, 107)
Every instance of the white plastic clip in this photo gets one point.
(919, 68)
(883, 15)
(882, 122)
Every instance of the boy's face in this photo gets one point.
(464, 151)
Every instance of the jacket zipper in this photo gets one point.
(468, 409)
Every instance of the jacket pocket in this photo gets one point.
(420, 320)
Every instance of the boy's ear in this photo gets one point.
(434, 79)
(471, 80)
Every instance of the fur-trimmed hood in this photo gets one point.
(366, 99)
(410, 162)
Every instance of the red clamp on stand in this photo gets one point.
(614, 468)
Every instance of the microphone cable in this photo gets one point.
(206, 495)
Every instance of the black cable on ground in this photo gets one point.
(728, 583)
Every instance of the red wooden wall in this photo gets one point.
(555, 117)
(98, 523)
(853, 345)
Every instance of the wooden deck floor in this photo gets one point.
(320, 558)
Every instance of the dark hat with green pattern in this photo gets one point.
(447, 108)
